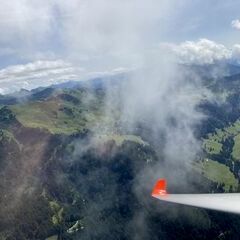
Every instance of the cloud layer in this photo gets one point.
(100, 35)
(35, 74)
(94, 30)
(204, 51)
(45, 73)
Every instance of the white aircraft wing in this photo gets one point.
(227, 202)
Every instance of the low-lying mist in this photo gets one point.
(159, 103)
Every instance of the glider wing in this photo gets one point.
(227, 202)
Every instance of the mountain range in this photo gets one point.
(69, 170)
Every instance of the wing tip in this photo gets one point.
(160, 188)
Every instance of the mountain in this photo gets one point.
(71, 171)
(215, 70)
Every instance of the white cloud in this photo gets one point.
(236, 24)
(98, 33)
(45, 73)
(201, 52)
(101, 34)
(35, 74)
(25, 20)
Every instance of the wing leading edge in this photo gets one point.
(227, 202)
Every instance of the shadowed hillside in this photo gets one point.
(70, 170)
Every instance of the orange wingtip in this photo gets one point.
(160, 188)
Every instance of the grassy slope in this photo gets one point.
(49, 115)
(66, 117)
(218, 173)
(236, 148)
(60, 116)
(213, 144)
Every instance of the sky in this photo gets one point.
(79, 39)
